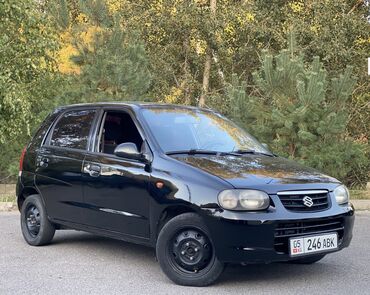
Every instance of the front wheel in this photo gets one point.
(185, 252)
(37, 230)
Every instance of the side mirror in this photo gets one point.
(265, 145)
(128, 150)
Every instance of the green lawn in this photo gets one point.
(9, 198)
(359, 195)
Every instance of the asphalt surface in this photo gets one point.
(80, 263)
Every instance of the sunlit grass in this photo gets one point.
(8, 198)
(360, 194)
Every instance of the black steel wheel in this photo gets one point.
(190, 250)
(33, 220)
(185, 252)
(36, 228)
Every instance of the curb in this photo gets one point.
(361, 204)
(358, 204)
(8, 206)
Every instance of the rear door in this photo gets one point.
(59, 164)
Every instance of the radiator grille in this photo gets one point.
(287, 230)
(298, 201)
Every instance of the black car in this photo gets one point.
(184, 180)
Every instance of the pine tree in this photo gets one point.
(114, 64)
(300, 112)
(112, 60)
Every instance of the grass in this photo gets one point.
(359, 195)
(8, 198)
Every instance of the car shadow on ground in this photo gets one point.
(256, 273)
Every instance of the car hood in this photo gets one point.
(252, 170)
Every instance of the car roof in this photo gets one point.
(133, 105)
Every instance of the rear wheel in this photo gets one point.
(36, 228)
(308, 260)
(185, 252)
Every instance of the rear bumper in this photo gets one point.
(264, 240)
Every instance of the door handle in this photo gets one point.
(92, 169)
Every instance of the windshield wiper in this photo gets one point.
(253, 152)
(217, 153)
(203, 152)
(193, 152)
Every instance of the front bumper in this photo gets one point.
(261, 238)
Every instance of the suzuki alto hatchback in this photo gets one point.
(184, 180)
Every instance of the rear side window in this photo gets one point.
(73, 129)
(41, 132)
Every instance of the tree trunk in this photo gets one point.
(219, 70)
(207, 64)
(206, 74)
(187, 76)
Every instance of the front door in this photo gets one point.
(59, 165)
(116, 195)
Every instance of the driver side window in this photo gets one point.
(117, 127)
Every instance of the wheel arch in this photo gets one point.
(26, 191)
(170, 212)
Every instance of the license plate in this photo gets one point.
(313, 244)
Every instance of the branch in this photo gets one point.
(358, 3)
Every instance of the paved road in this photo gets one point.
(80, 263)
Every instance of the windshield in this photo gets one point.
(182, 129)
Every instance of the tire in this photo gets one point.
(36, 228)
(308, 260)
(185, 252)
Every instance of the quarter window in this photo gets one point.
(72, 130)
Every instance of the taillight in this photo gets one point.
(21, 159)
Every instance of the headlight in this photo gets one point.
(341, 194)
(228, 199)
(239, 199)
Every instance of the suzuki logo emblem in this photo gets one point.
(307, 201)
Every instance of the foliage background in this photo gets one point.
(293, 73)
